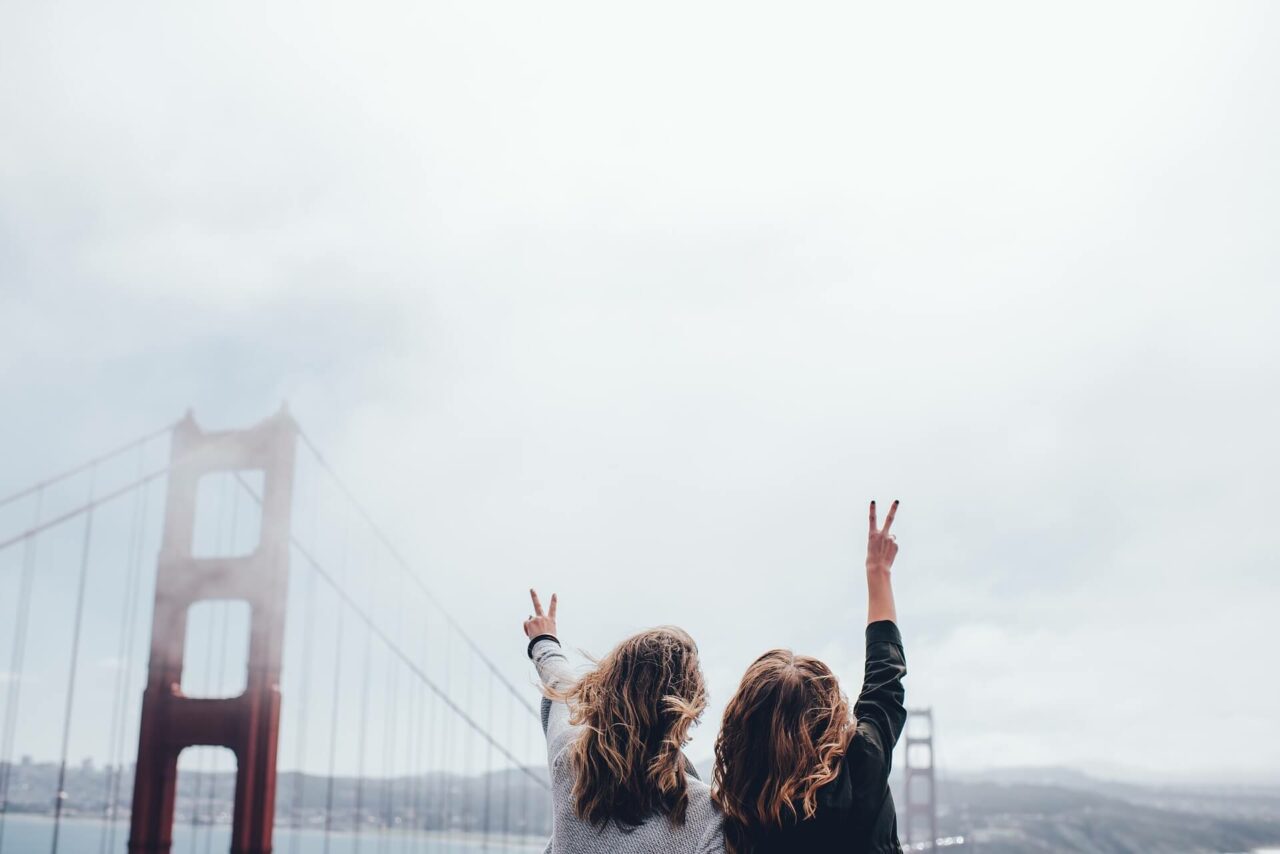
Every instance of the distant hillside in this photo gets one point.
(1029, 818)
(1062, 810)
(1018, 811)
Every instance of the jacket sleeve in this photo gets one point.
(879, 711)
(554, 671)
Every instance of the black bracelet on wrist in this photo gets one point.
(537, 638)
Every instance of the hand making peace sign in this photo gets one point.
(882, 547)
(539, 623)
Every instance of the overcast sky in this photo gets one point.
(642, 305)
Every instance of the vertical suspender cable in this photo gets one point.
(467, 802)
(210, 804)
(446, 745)
(390, 733)
(363, 741)
(308, 620)
(386, 746)
(233, 548)
(395, 711)
(451, 749)
(526, 790)
(86, 542)
(508, 778)
(16, 664)
(220, 538)
(488, 773)
(221, 688)
(420, 787)
(410, 804)
(128, 668)
(202, 768)
(203, 774)
(333, 712)
(123, 657)
(300, 749)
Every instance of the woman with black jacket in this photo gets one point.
(795, 770)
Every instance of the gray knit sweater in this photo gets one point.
(700, 834)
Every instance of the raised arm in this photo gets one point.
(553, 670)
(882, 548)
(879, 711)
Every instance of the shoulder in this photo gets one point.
(704, 820)
(865, 757)
(699, 792)
(702, 811)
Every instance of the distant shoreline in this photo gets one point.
(466, 838)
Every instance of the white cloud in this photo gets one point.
(645, 306)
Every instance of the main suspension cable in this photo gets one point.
(382, 635)
(86, 465)
(404, 564)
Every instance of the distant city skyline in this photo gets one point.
(1003, 813)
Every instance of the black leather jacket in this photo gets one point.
(855, 811)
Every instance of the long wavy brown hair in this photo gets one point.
(636, 708)
(782, 739)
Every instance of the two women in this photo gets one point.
(796, 770)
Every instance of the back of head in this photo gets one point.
(782, 739)
(636, 709)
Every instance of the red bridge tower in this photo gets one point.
(920, 799)
(249, 724)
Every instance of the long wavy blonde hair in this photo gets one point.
(782, 739)
(636, 708)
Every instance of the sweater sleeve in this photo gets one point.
(880, 711)
(554, 671)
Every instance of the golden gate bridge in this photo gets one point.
(286, 630)
(400, 733)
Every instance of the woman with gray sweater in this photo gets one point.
(619, 779)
